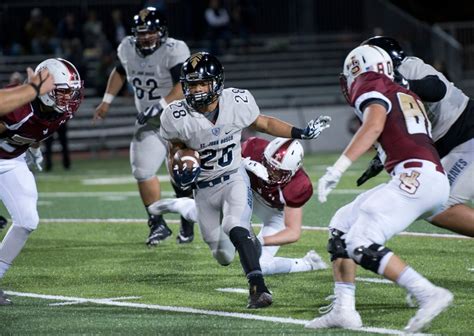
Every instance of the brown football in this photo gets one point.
(186, 159)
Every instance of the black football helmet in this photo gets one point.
(390, 45)
(149, 21)
(202, 67)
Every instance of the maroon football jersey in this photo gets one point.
(25, 126)
(406, 134)
(294, 194)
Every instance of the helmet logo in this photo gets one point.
(195, 59)
(355, 66)
(143, 13)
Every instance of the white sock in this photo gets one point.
(345, 294)
(3, 268)
(276, 266)
(299, 265)
(414, 282)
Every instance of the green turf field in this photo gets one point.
(86, 270)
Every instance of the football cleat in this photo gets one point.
(431, 305)
(336, 316)
(314, 260)
(258, 299)
(3, 222)
(4, 300)
(182, 239)
(159, 231)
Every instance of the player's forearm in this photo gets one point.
(362, 141)
(13, 98)
(286, 236)
(114, 83)
(272, 126)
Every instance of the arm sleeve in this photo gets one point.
(120, 69)
(429, 88)
(371, 101)
(175, 73)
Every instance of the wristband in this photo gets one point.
(296, 133)
(108, 98)
(163, 103)
(342, 163)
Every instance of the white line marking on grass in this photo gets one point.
(190, 310)
(117, 180)
(471, 269)
(310, 228)
(68, 303)
(374, 280)
(78, 194)
(233, 290)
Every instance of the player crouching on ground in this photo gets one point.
(280, 188)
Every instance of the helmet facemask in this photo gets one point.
(150, 31)
(276, 176)
(201, 99)
(282, 157)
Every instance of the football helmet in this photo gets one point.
(202, 67)
(282, 157)
(364, 59)
(150, 31)
(68, 94)
(390, 45)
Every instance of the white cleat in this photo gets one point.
(430, 306)
(338, 317)
(314, 260)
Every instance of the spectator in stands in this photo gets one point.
(93, 34)
(16, 78)
(218, 26)
(61, 135)
(70, 35)
(40, 33)
(117, 30)
(243, 21)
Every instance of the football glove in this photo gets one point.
(3, 222)
(256, 168)
(150, 112)
(187, 177)
(327, 183)
(374, 168)
(315, 127)
(400, 80)
(34, 158)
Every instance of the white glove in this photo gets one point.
(34, 158)
(315, 127)
(256, 167)
(327, 183)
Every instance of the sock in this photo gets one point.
(11, 246)
(414, 282)
(276, 266)
(345, 294)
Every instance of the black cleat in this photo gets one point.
(159, 231)
(182, 239)
(258, 299)
(4, 300)
(3, 222)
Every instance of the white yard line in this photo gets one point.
(68, 303)
(190, 310)
(310, 228)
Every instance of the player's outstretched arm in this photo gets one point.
(292, 231)
(280, 128)
(114, 85)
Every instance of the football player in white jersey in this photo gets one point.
(151, 62)
(452, 120)
(210, 120)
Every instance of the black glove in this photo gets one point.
(374, 168)
(187, 177)
(400, 80)
(3, 222)
(150, 112)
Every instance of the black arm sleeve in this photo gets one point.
(429, 89)
(175, 73)
(120, 69)
(371, 101)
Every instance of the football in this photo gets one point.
(186, 159)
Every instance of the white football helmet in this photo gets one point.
(364, 59)
(282, 157)
(68, 94)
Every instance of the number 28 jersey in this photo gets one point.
(407, 130)
(218, 144)
(150, 76)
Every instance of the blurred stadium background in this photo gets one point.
(288, 53)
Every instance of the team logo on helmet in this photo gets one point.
(143, 13)
(195, 59)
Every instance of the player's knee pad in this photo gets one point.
(370, 257)
(223, 256)
(28, 220)
(337, 245)
(141, 175)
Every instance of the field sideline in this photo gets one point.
(86, 269)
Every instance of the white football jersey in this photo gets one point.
(442, 114)
(218, 144)
(150, 76)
